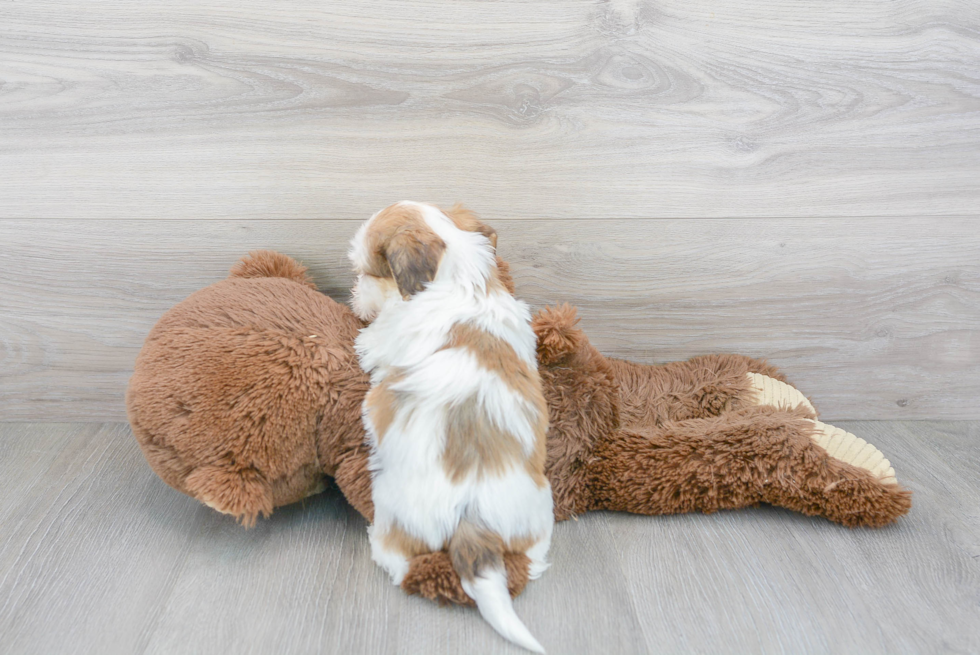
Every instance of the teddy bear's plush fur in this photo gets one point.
(247, 395)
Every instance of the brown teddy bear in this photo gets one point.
(247, 395)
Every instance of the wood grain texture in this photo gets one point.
(100, 556)
(301, 582)
(875, 319)
(91, 547)
(524, 108)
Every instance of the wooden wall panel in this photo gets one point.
(524, 108)
(852, 129)
(874, 319)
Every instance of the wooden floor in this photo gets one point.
(99, 556)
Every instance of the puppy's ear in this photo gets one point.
(464, 219)
(413, 256)
(489, 233)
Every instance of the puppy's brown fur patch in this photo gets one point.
(466, 220)
(382, 404)
(397, 539)
(534, 465)
(498, 356)
(401, 246)
(504, 276)
(474, 549)
(475, 443)
(521, 544)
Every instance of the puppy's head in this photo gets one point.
(464, 219)
(398, 251)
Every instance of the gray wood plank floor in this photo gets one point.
(100, 556)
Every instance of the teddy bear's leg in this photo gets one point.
(838, 443)
(241, 493)
(432, 576)
(307, 480)
(699, 387)
(744, 457)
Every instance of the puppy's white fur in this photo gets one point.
(408, 339)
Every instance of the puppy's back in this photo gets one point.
(503, 423)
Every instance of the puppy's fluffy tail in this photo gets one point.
(478, 556)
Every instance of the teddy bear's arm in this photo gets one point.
(354, 479)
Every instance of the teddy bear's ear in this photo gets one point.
(558, 338)
(269, 263)
(413, 256)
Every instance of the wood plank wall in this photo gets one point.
(794, 181)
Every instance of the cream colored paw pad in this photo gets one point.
(770, 391)
(854, 450)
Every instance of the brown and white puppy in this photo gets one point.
(455, 418)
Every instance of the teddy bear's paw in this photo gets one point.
(853, 450)
(241, 493)
(770, 391)
(838, 443)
